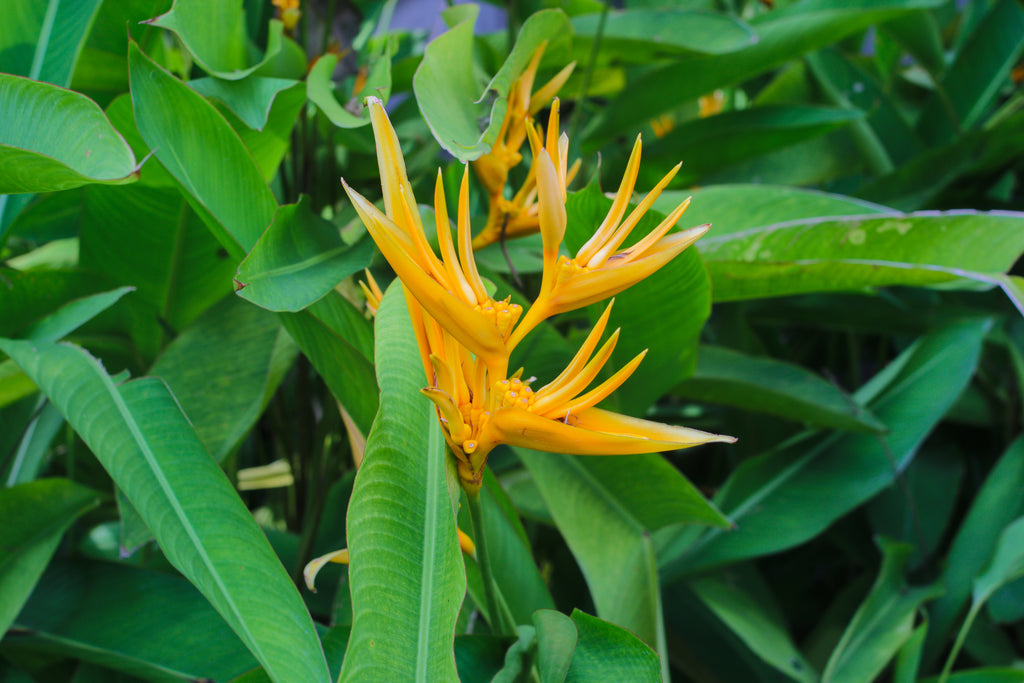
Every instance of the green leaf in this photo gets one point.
(406, 571)
(664, 313)
(709, 144)
(36, 516)
(512, 562)
(447, 89)
(73, 315)
(776, 388)
(883, 622)
(643, 34)
(269, 145)
(745, 607)
(995, 505)
(927, 248)
(1007, 562)
(298, 260)
(990, 675)
(31, 448)
(733, 208)
(55, 139)
(214, 32)
(250, 99)
(42, 40)
(224, 368)
(974, 79)
(518, 657)
(220, 178)
(139, 434)
(556, 644)
(27, 297)
(605, 652)
(150, 624)
(777, 500)
(627, 497)
(783, 34)
(321, 90)
(178, 269)
(337, 339)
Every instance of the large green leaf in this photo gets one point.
(453, 101)
(783, 34)
(35, 516)
(224, 368)
(219, 176)
(776, 388)
(976, 76)
(787, 496)
(28, 297)
(709, 144)
(664, 313)
(42, 40)
(643, 34)
(862, 252)
(605, 652)
(214, 32)
(149, 624)
(338, 341)
(298, 260)
(627, 498)
(1007, 562)
(406, 571)
(995, 505)
(732, 208)
(140, 435)
(55, 139)
(883, 622)
(250, 99)
(176, 266)
(742, 601)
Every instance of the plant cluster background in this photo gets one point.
(196, 403)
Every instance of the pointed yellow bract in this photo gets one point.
(515, 217)
(466, 337)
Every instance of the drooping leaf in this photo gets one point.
(406, 572)
(55, 139)
(452, 100)
(36, 515)
(139, 434)
(298, 260)
(556, 644)
(214, 32)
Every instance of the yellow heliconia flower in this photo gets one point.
(517, 216)
(465, 337)
(601, 268)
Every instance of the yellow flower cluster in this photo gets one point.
(466, 336)
(515, 217)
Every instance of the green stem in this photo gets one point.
(501, 620)
(960, 638)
